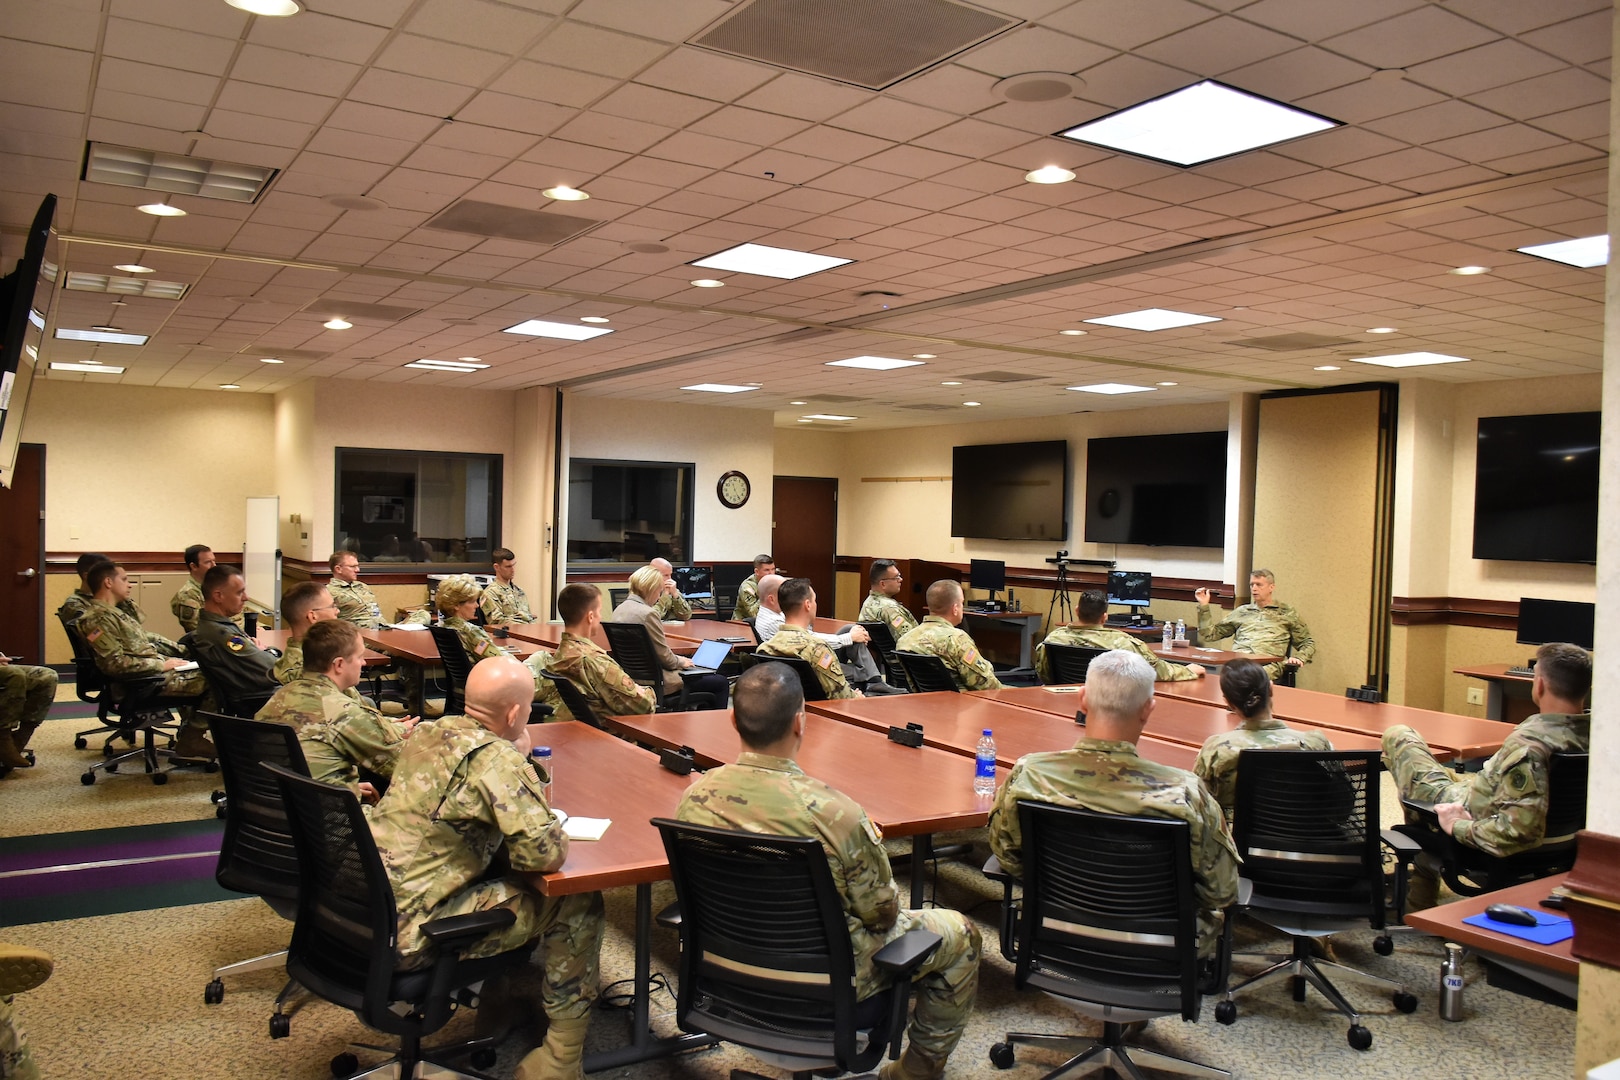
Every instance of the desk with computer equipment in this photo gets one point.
(1507, 687)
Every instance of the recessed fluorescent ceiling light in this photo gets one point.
(1586, 252)
(1111, 388)
(1049, 174)
(275, 8)
(1469, 271)
(1382, 330)
(593, 318)
(719, 388)
(230, 386)
(1199, 123)
(566, 331)
(829, 416)
(447, 365)
(79, 281)
(270, 360)
(177, 174)
(798, 403)
(972, 404)
(101, 336)
(1326, 367)
(1074, 333)
(770, 261)
(1411, 359)
(922, 356)
(134, 268)
(1165, 384)
(91, 369)
(1153, 319)
(874, 363)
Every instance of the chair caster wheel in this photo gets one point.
(1001, 1055)
(1405, 1002)
(280, 1025)
(107, 750)
(160, 778)
(1358, 1037)
(80, 743)
(1226, 1012)
(214, 993)
(32, 760)
(483, 1058)
(345, 1065)
(87, 779)
(1383, 945)
(211, 766)
(219, 811)
(215, 796)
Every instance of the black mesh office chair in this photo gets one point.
(256, 855)
(1069, 663)
(725, 601)
(457, 666)
(1109, 922)
(765, 953)
(882, 645)
(617, 597)
(807, 674)
(579, 706)
(343, 940)
(134, 710)
(631, 646)
(91, 687)
(925, 673)
(227, 699)
(1468, 871)
(1306, 824)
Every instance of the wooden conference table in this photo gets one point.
(1552, 966)
(1507, 697)
(418, 647)
(277, 639)
(1213, 659)
(548, 635)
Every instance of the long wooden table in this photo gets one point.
(1213, 659)
(277, 639)
(1448, 735)
(1507, 697)
(548, 635)
(418, 647)
(697, 630)
(1552, 966)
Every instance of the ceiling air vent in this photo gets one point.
(129, 166)
(510, 222)
(1001, 377)
(1293, 342)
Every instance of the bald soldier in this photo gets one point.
(939, 634)
(463, 793)
(671, 606)
(302, 606)
(1103, 773)
(1263, 626)
(1090, 633)
(766, 792)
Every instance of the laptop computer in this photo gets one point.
(709, 656)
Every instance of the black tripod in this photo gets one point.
(1060, 604)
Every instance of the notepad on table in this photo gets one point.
(586, 828)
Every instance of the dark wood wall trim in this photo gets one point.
(1594, 902)
(618, 575)
(1454, 611)
(140, 562)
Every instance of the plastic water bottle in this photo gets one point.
(984, 765)
(1451, 983)
(543, 765)
(1168, 630)
(1181, 629)
(376, 611)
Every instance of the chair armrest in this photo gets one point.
(1404, 847)
(992, 870)
(670, 917)
(1418, 806)
(459, 930)
(1245, 892)
(906, 953)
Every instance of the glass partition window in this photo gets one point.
(627, 512)
(419, 507)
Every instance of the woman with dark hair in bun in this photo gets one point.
(1247, 689)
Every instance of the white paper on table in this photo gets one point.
(586, 828)
(189, 665)
(403, 626)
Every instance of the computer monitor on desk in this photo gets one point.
(990, 575)
(1132, 589)
(694, 582)
(1541, 621)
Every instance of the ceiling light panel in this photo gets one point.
(719, 388)
(123, 286)
(1151, 319)
(874, 363)
(102, 337)
(1111, 388)
(1199, 123)
(1587, 252)
(446, 365)
(1406, 360)
(565, 331)
(829, 416)
(88, 369)
(128, 166)
(770, 261)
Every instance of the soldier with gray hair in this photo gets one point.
(1104, 773)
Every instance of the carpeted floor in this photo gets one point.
(127, 996)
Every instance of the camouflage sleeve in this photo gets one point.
(494, 611)
(369, 739)
(1517, 819)
(1210, 630)
(673, 607)
(828, 671)
(111, 656)
(133, 610)
(535, 842)
(1042, 668)
(1163, 670)
(477, 643)
(866, 881)
(1299, 637)
(164, 646)
(1215, 857)
(1212, 767)
(326, 762)
(289, 665)
(621, 695)
(185, 611)
(747, 603)
(1006, 834)
(973, 670)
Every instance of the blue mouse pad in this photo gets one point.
(1549, 929)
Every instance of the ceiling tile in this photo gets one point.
(1405, 41)
(479, 23)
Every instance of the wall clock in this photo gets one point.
(733, 489)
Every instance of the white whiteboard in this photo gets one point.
(261, 561)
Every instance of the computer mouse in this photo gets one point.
(1511, 913)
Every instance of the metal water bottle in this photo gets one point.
(1451, 983)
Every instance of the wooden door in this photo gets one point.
(22, 558)
(804, 532)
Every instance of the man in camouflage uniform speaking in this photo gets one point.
(1092, 634)
(1502, 809)
(464, 791)
(939, 634)
(1103, 773)
(1260, 626)
(766, 792)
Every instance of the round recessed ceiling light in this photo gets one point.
(1326, 367)
(159, 209)
(1166, 384)
(708, 283)
(1382, 330)
(647, 247)
(1034, 86)
(470, 359)
(593, 318)
(564, 193)
(270, 360)
(229, 386)
(1073, 333)
(354, 202)
(337, 324)
(134, 268)
(1049, 174)
(274, 8)
(120, 303)
(1470, 271)
(951, 382)
(971, 404)
(923, 356)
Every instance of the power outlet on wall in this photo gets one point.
(1476, 695)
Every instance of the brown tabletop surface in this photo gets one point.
(277, 639)
(1446, 733)
(1446, 921)
(1493, 671)
(905, 790)
(954, 722)
(704, 629)
(418, 647)
(1181, 654)
(630, 852)
(1174, 720)
(548, 635)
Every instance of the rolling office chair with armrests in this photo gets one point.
(631, 646)
(1109, 922)
(134, 709)
(882, 646)
(1289, 676)
(1306, 825)
(227, 701)
(725, 601)
(579, 706)
(766, 961)
(925, 673)
(457, 666)
(92, 687)
(343, 942)
(1069, 663)
(807, 674)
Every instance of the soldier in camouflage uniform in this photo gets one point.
(464, 791)
(587, 665)
(124, 650)
(1090, 633)
(187, 603)
(356, 603)
(26, 694)
(457, 600)
(340, 731)
(881, 605)
(1502, 809)
(671, 605)
(1260, 627)
(78, 600)
(767, 792)
(1103, 773)
(302, 606)
(1247, 690)
(798, 603)
(503, 601)
(939, 635)
(232, 660)
(21, 969)
(748, 592)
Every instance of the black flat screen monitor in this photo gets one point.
(1157, 490)
(1541, 621)
(1536, 488)
(1130, 588)
(1011, 491)
(988, 574)
(25, 307)
(693, 581)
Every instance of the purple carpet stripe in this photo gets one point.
(188, 866)
(101, 852)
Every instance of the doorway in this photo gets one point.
(22, 539)
(804, 532)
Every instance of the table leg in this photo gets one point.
(642, 1046)
(922, 850)
(1026, 642)
(1495, 703)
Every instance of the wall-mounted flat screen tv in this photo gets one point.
(1536, 487)
(1157, 490)
(1011, 491)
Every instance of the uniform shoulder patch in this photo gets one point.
(824, 660)
(971, 656)
(898, 621)
(92, 635)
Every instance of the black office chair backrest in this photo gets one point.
(725, 601)
(88, 681)
(882, 637)
(256, 854)
(457, 666)
(1567, 776)
(925, 673)
(765, 952)
(1069, 663)
(618, 596)
(1109, 914)
(631, 645)
(578, 704)
(801, 668)
(226, 699)
(1306, 825)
